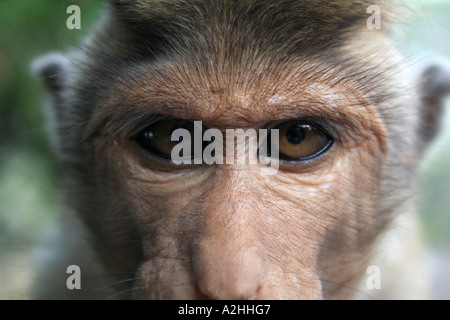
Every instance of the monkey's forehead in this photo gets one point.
(324, 13)
(233, 34)
(234, 27)
(228, 44)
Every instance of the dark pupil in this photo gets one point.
(295, 134)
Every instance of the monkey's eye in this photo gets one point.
(300, 141)
(157, 138)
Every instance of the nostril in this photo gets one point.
(255, 294)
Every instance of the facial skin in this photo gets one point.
(225, 231)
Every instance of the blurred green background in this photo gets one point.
(30, 178)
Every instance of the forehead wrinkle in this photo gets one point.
(217, 95)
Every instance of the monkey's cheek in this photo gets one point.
(291, 285)
(165, 279)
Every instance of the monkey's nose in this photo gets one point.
(234, 274)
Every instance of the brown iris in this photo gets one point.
(301, 141)
(157, 138)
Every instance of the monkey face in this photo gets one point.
(226, 231)
(345, 147)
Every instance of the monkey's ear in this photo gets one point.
(53, 70)
(434, 86)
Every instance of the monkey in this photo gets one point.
(353, 122)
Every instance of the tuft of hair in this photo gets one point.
(260, 26)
